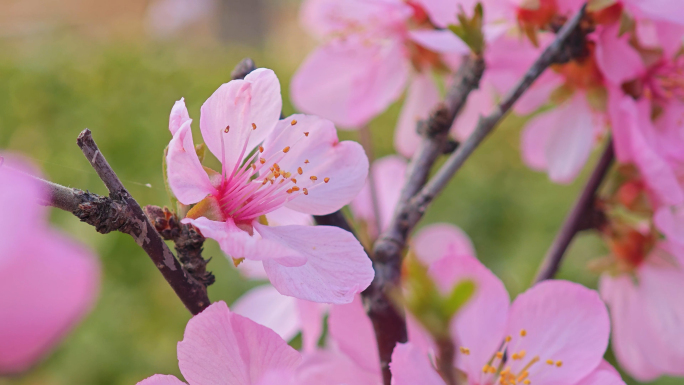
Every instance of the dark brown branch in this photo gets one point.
(121, 212)
(556, 52)
(388, 320)
(576, 220)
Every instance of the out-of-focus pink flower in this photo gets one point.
(389, 174)
(366, 59)
(221, 347)
(299, 165)
(49, 283)
(166, 18)
(645, 306)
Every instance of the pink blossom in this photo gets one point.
(221, 347)
(389, 174)
(299, 165)
(645, 306)
(49, 282)
(366, 59)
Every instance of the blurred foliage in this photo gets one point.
(52, 89)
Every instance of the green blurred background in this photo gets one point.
(75, 64)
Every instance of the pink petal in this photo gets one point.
(187, 179)
(311, 318)
(667, 10)
(388, 174)
(648, 342)
(539, 94)
(565, 136)
(433, 242)
(328, 367)
(278, 377)
(252, 269)
(670, 221)
(179, 115)
(160, 379)
(284, 216)
(313, 147)
(603, 375)
(220, 347)
(238, 243)
(442, 41)
(265, 306)
(336, 265)
(351, 82)
(564, 322)
(54, 285)
(481, 325)
(442, 12)
(325, 17)
(237, 105)
(410, 366)
(480, 103)
(615, 57)
(421, 98)
(352, 331)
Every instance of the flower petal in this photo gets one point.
(480, 102)
(352, 331)
(179, 115)
(334, 17)
(442, 41)
(660, 9)
(336, 265)
(311, 318)
(238, 104)
(313, 147)
(284, 216)
(563, 322)
(670, 221)
(54, 285)
(352, 81)
(439, 240)
(160, 379)
(603, 375)
(421, 98)
(238, 243)
(389, 174)
(220, 347)
(481, 325)
(265, 306)
(329, 367)
(187, 178)
(410, 366)
(616, 58)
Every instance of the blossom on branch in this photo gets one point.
(48, 282)
(267, 163)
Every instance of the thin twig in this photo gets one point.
(577, 218)
(557, 51)
(388, 320)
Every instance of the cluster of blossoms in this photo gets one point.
(625, 82)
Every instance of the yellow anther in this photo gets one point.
(485, 369)
(227, 129)
(306, 192)
(294, 180)
(306, 134)
(522, 354)
(465, 350)
(508, 338)
(313, 177)
(550, 362)
(306, 161)
(326, 180)
(253, 126)
(523, 333)
(262, 160)
(289, 191)
(253, 166)
(261, 149)
(293, 122)
(275, 166)
(295, 188)
(276, 173)
(515, 356)
(499, 355)
(559, 363)
(286, 149)
(523, 376)
(492, 370)
(527, 382)
(299, 171)
(287, 174)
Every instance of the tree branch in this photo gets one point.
(556, 52)
(388, 320)
(577, 218)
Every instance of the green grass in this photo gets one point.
(51, 90)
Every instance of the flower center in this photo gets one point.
(499, 371)
(258, 185)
